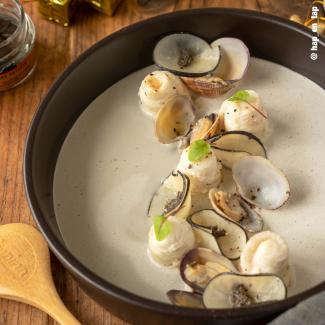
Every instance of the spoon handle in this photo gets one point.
(59, 312)
(25, 272)
(53, 306)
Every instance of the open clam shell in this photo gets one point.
(200, 265)
(174, 120)
(231, 68)
(250, 220)
(232, 146)
(172, 197)
(234, 58)
(206, 127)
(218, 233)
(186, 55)
(185, 299)
(208, 86)
(260, 183)
(229, 290)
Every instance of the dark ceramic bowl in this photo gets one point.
(267, 37)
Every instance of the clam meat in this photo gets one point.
(206, 127)
(200, 265)
(233, 207)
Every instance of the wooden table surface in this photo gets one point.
(58, 47)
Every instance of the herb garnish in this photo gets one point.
(198, 149)
(244, 96)
(241, 95)
(162, 227)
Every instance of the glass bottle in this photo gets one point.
(17, 40)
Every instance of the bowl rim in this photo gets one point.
(69, 260)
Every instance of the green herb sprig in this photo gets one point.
(244, 96)
(162, 227)
(241, 95)
(198, 150)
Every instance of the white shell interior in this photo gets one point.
(166, 53)
(234, 58)
(111, 163)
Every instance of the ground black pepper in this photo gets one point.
(239, 296)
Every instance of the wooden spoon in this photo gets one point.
(25, 271)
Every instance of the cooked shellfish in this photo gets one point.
(260, 183)
(232, 206)
(218, 233)
(173, 197)
(232, 67)
(206, 127)
(174, 120)
(185, 298)
(231, 146)
(200, 265)
(186, 55)
(229, 290)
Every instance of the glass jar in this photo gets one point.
(17, 40)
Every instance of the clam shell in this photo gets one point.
(209, 86)
(231, 68)
(260, 183)
(252, 222)
(232, 146)
(185, 299)
(172, 197)
(261, 288)
(200, 265)
(234, 59)
(169, 55)
(206, 127)
(218, 233)
(174, 120)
